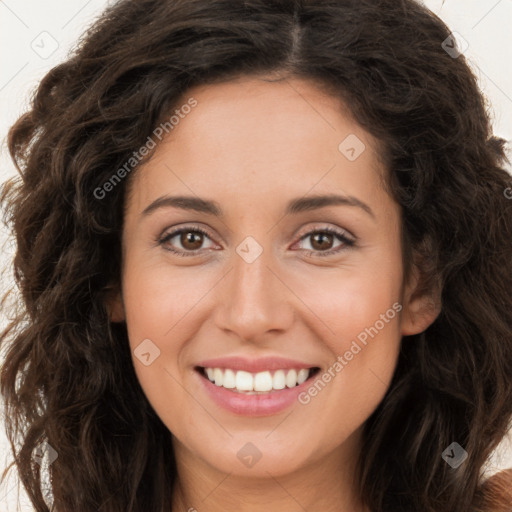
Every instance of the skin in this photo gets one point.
(252, 146)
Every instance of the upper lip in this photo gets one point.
(255, 365)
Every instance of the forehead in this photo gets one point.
(249, 136)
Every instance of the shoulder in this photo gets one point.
(495, 493)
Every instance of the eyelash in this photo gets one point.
(340, 235)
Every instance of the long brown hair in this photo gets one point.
(68, 377)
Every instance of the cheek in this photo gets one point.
(358, 318)
(158, 301)
(159, 308)
(350, 301)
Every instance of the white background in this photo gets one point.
(30, 30)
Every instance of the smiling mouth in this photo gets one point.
(265, 382)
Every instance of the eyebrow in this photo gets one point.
(295, 206)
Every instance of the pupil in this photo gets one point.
(321, 237)
(187, 239)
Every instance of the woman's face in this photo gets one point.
(299, 268)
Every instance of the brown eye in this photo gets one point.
(322, 241)
(191, 240)
(185, 241)
(326, 242)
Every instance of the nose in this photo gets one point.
(255, 300)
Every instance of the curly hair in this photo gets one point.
(68, 378)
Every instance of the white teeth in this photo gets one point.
(291, 379)
(258, 382)
(302, 375)
(229, 381)
(218, 376)
(279, 380)
(263, 381)
(244, 381)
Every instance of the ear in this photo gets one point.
(421, 304)
(114, 305)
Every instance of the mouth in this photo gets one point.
(254, 386)
(261, 383)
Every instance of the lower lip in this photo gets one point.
(252, 405)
